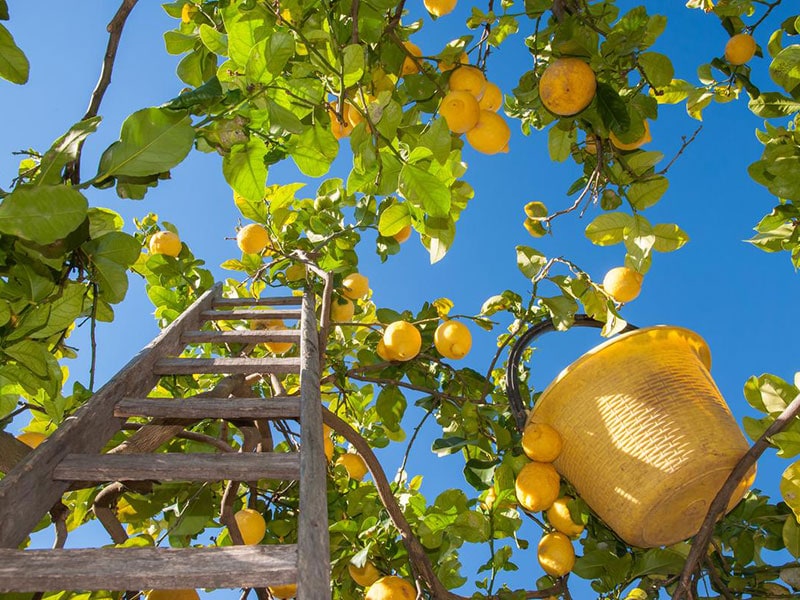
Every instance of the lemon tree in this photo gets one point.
(355, 83)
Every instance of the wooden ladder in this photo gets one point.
(72, 454)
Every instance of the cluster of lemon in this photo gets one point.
(402, 341)
(354, 287)
(538, 486)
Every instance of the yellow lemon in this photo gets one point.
(251, 525)
(439, 8)
(537, 486)
(252, 238)
(31, 438)
(556, 554)
(468, 79)
(558, 516)
(165, 242)
(452, 339)
(461, 111)
(354, 465)
(740, 49)
(492, 98)
(567, 86)
(188, 11)
(327, 442)
(355, 286)
(296, 272)
(636, 594)
(339, 129)
(402, 340)
(172, 594)
(274, 347)
(490, 135)
(382, 351)
(410, 65)
(283, 592)
(364, 576)
(342, 310)
(644, 139)
(623, 284)
(391, 587)
(541, 442)
(403, 235)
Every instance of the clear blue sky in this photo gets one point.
(738, 298)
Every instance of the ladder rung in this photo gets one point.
(235, 315)
(188, 366)
(243, 336)
(179, 467)
(275, 301)
(146, 568)
(210, 408)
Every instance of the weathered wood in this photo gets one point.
(188, 366)
(29, 484)
(313, 542)
(236, 315)
(223, 408)
(242, 336)
(12, 451)
(274, 301)
(178, 467)
(145, 568)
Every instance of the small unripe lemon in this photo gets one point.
(355, 286)
(251, 525)
(252, 238)
(452, 339)
(165, 242)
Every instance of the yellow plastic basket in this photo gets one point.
(648, 438)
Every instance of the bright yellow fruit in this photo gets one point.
(492, 98)
(352, 114)
(284, 592)
(468, 79)
(541, 442)
(355, 286)
(342, 310)
(339, 129)
(740, 49)
(354, 465)
(252, 238)
(274, 347)
(402, 340)
(327, 442)
(403, 235)
(636, 594)
(452, 339)
(623, 284)
(165, 242)
(391, 587)
(559, 517)
(439, 8)
(448, 66)
(410, 65)
(537, 486)
(567, 86)
(172, 595)
(490, 135)
(31, 438)
(461, 111)
(383, 352)
(364, 576)
(188, 11)
(644, 139)
(556, 554)
(251, 525)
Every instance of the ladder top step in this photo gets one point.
(188, 366)
(242, 314)
(210, 408)
(244, 336)
(272, 301)
(179, 467)
(147, 568)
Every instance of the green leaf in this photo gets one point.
(608, 229)
(314, 150)
(530, 261)
(245, 28)
(214, 40)
(676, 91)
(559, 143)
(771, 105)
(353, 59)
(245, 170)
(658, 560)
(425, 190)
(788, 443)
(612, 109)
(791, 536)
(669, 237)
(769, 393)
(42, 214)
(152, 141)
(785, 70)
(644, 194)
(116, 246)
(57, 316)
(790, 487)
(176, 42)
(391, 406)
(268, 57)
(658, 68)
(3, 10)
(32, 355)
(14, 65)
(64, 150)
(393, 219)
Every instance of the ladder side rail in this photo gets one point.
(28, 491)
(313, 543)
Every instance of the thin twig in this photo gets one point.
(93, 336)
(771, 7)
(683, 147)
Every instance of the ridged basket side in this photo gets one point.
(647, 436)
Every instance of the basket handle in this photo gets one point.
(515, 356)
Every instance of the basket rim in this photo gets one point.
(693, 339)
